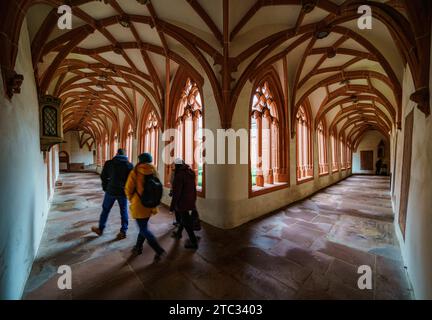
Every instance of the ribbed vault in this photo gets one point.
(119, 60)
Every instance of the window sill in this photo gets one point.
(257, 191)
(304, 180)
(324, 174)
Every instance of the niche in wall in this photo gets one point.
(64, 161)
(406, 171)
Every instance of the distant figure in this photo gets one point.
(135, 189)
(114, 175)
(378, 166)
(183, 201)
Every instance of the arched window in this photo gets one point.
(189, 121)
(264, 137)
(322, 150)
(151, 136)
(304, 146)
(342, 153)
(129, 142)
(335, 166)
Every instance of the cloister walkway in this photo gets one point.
(310, 250)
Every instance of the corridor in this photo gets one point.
(309, 250)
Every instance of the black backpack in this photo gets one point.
(153, 190)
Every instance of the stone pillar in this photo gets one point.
(195, 127)
(183, 141)
(134, 159)
(270, 178)
(98, 154)
(259, 173)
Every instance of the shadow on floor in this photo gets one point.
(310, 250)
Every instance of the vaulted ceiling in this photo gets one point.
(121, 55)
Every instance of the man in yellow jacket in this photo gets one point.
(133, 189)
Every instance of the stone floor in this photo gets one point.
(310, 250)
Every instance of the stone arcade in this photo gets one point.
(321, 100)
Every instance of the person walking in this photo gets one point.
(183, 201)
(114, 175)
(135, 189)
(378, 166)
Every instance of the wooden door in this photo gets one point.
(366, 160)
(406, 171)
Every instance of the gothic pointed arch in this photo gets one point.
(186, 117)
(322, 141)
(304, 143)
(268, 134)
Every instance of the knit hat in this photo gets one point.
(145, 158)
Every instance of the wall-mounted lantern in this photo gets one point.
(14, 83)
(51, 132)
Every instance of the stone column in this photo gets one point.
(259, 173)
(134, 159)
(195, 127)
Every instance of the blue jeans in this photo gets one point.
(145, 233)
(106, 208)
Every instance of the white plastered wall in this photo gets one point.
(23, 194)
(76, 154)
(416, 247)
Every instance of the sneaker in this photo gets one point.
(159, 256)
(137, 250)
(121, 235)
(190, 245)
(96, 230)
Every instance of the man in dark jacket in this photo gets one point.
(114, 175)
(183, 200)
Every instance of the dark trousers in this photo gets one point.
(107, 205)
(186, 223)
(177, 217)
(145, 233)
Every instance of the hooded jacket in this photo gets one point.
(135, 187)
(114, 175)
(183, 189)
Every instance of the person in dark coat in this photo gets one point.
(183, 201)
(378, 166)
(114, 176)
